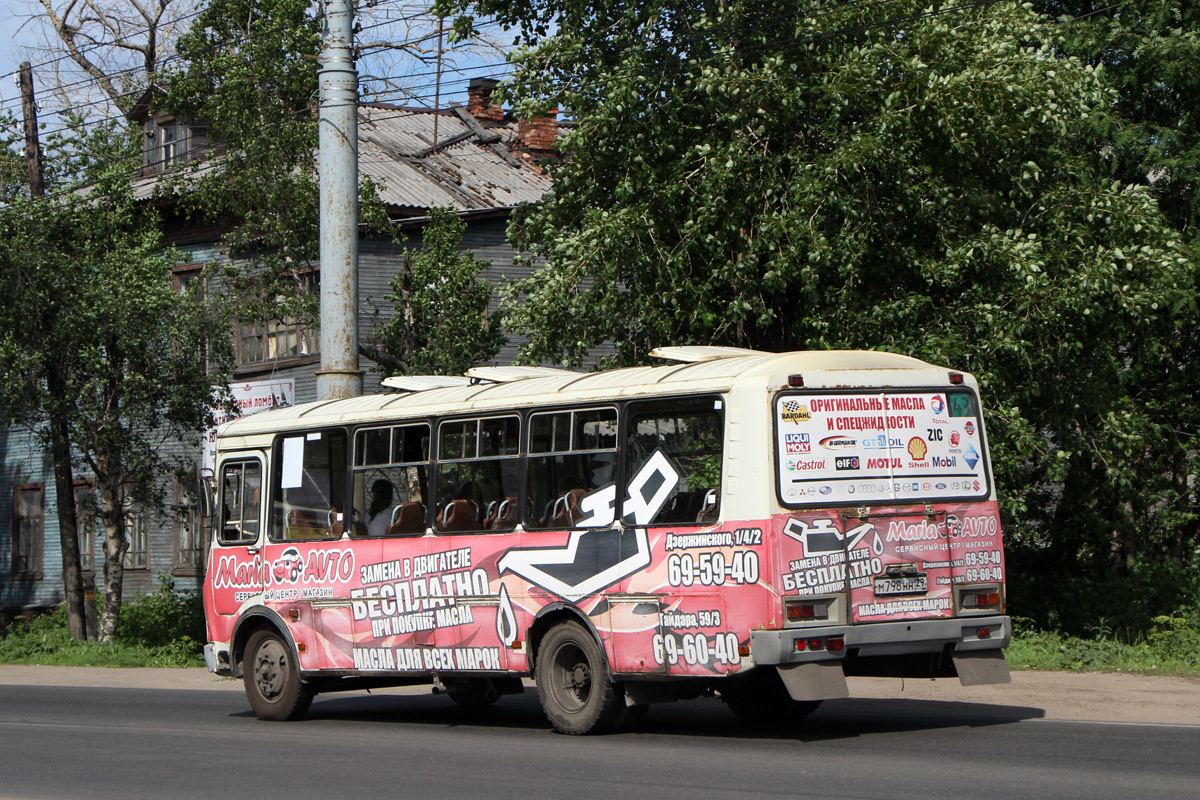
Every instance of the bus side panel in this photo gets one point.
(712, 585)
(976, 544)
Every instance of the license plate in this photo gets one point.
(908, 584)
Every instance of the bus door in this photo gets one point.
(898, 564)
(237, 570)
(887, 472)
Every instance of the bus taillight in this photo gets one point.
(806, 611)
(976, 600)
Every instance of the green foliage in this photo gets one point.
(441, 324)
(928, 180)
(250, 74)
(1172, 647)
(1150, 53)
(163, 629)
(166, 618)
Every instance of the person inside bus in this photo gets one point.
(379, 511)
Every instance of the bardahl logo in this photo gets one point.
(795, 412)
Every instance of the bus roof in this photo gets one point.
(701, 369)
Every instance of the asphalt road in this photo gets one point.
(110, 742)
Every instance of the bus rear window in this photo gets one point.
(895, 446)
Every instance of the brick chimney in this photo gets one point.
(536, 136)
(479, 100)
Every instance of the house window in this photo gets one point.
(189, 530)
(85, 524)
(188, 278)
(27, 532)
(137, 527)
(266, 343)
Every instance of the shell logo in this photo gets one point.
(917, 448)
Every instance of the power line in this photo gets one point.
(779, 44)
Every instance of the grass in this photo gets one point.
(1171, 647)
(165, 629)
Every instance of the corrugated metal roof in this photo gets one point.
(465, 174)
(818, 367)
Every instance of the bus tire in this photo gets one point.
(573, 683)
(761, 698)
(272, 678)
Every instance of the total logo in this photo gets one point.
(937, 405)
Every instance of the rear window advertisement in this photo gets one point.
(864, 448)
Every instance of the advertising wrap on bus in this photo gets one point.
(881, 447)
(892, 448)
(624, 538)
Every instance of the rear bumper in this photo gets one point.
(901, 637)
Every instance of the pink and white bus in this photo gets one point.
(752, 524)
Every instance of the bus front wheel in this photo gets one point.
(573, 683)
(272, 678)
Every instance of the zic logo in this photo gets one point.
(795, 412)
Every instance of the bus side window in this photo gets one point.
(308, 481)
(690, 432)
(241, 495)
(391, 476)
(477, 476)
(571, 454)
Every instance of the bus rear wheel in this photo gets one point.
(761, 698)
(272, 678)
(573, 683)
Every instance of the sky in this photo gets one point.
(10, 58)
(14, 14)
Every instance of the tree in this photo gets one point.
(105, 52)
(872, 175)
(441, 325)
(102, 346)
(249, 70)
(1150, 53)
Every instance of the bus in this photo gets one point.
(753, 525)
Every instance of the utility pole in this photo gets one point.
(60, 441)
(339, 376)
(33, 150)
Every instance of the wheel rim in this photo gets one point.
(270, 669)
(572, 678)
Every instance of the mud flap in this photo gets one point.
(978, 667)
(817, 680)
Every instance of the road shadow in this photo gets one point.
(705, 717)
